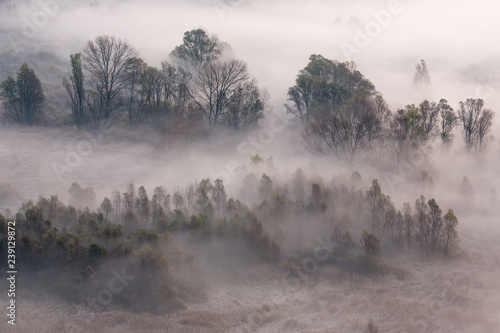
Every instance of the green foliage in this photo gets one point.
(197, 49)
(95, 252)
(324, 81)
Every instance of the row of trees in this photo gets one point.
(108, 77)
(339, 110)
(66, 246)
(342, 114)
(426, 224)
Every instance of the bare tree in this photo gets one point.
(218, 86)
(129, 198)
(476, 123)
(143, 206)
(346, 131)
(105, 58)
(246, 109)
(421, 218)
(117, 204)
(484, 124)
(409, 223)
(158, 198)
(106, 208)
(152, 87)
(190, 197)
(178, 200)
(175, 88)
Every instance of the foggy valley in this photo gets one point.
(249, 166)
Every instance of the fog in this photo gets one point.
(457, 40)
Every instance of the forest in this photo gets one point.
(183, 195)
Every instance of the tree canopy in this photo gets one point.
(196, 50)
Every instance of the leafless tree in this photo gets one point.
(152, 87)
(346, 131)
(484, 124)
(105, 59)
(421, 218)
(117, 204)
(129, 198)
(178, 200)
(143, 206)
(246, 109)
(476, 123)
(409, 224)
(158, 198)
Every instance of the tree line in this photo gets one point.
(342, 114)
(67, 245)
